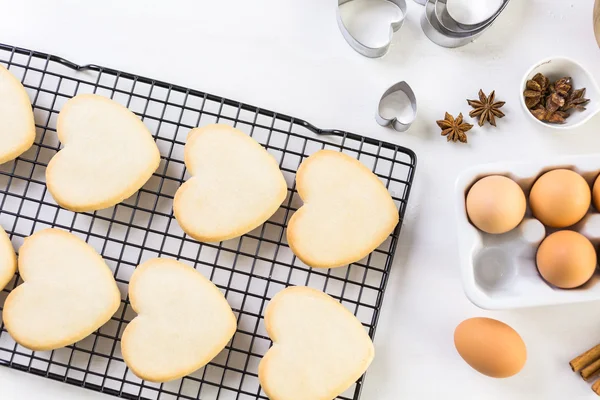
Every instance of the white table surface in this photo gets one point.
(289, 56)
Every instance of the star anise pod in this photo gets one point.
(554, 102)
(557, 117)
(536, 90)
(486, 108)
(542, 80)
(562, 86)
(543, 114)
(575, 101)
(539, 112)
(454, 129)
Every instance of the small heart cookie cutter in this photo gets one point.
(395, 122)
(368, 51)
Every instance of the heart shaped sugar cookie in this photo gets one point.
(108, 154)
(8, 259)
(17, 127)
(347, 212)
(68, 292)
(236, 185)
(183, 321)
(319, 347)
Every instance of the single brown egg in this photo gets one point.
(566, 259)
(596, 193)
(490, 347)
(496, 204)
(560, 198)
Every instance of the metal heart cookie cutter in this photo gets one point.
(443, 30)
(392, 107)
(368, 51)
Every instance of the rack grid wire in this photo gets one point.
(249, 270)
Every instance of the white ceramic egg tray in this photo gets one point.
(499, 271)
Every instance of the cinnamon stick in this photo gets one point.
(596, 387)
(585, 359)
(597, 21)
(591, 370)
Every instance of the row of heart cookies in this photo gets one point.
(183, 321)
(236, 185)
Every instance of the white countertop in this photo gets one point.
(289, 56)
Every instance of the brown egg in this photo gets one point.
(596, 193)
(560, 198)
(496, 204)
(490, 347)
(566, 259)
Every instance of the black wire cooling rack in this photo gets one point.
(249, 270)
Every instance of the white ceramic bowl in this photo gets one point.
(556, 68)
